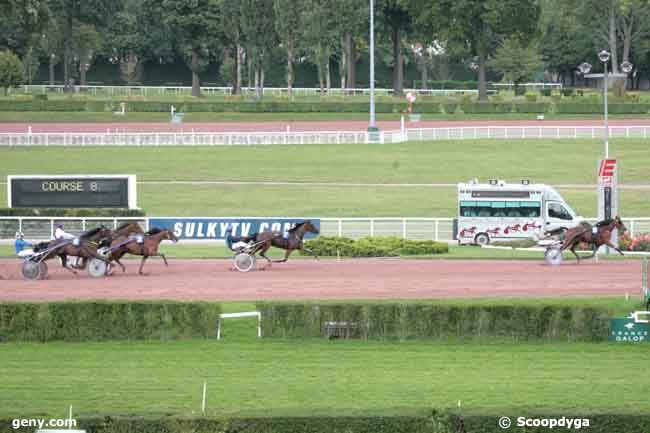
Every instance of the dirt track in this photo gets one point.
(330, 279)
(274, 126)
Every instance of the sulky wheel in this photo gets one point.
(43, 271)
(97, 268)
(553, 256)
(31, 270)
(244, 262)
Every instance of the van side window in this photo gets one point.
(556, 210)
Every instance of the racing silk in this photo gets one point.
(22, 245)
(59, 233)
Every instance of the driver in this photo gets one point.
(235, 243)
(23, 248)
(60, 233)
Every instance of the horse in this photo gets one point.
(600, 235)
(127, 229)
(148, 248)
(85, 246)
(294, 241)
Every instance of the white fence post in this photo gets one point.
(437, 231)
(403, 228)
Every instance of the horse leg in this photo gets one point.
(611, 245)
(573, 250)
(304, 250)
(164, 258)
(287, 253)
(262, 251)
(144, 258)
(64, 263)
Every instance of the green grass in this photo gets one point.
(249, 377)
(447, 162)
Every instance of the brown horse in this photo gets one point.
(294, 241)
(85, 247)
(600, 235)
(147, 248)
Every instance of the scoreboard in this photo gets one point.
(81, 191)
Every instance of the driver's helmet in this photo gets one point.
(60, 226)
(19, 235)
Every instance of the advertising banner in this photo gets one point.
(215, 228)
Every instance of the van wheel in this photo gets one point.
(482, 239)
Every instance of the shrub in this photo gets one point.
(486, 108)
(532, 107)
(374, 247)
(567, 91)
(109, 320)
(445, 321)
(450, 107)
(531, 96)
(545, 91)
(638, 243)
(520, 90)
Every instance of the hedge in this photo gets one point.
(597, 108)
(110, 320)
(373, 247)
(438, 321)
(79, 212)
(433, 422)
(532, 107)
(486, 108)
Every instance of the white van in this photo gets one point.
(500, 211)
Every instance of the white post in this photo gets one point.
(205, 388)
(70, 418)
(437, 225)
(372, 227)
(403, 228)
(340, 227)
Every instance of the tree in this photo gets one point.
(193, 23)
(516, 61)
(70, 14)
(396, 17)
(230, 23)
(352, 24)
(289, 26)
(21, 24)
(12, 71)
(475, 27)
(319, 38)
(258, 30)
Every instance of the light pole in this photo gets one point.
(372, 127)
(607, 168)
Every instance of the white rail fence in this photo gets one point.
(319, 137)
(440, 229)
(275, 91)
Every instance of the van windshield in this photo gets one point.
(557, 210)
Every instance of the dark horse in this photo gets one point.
(147, 248)
(85, 247)
(600, 235)
(294, 241)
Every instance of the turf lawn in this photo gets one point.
(566, 162)
(248, 377)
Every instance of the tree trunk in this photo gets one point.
(51, 70)
(82, 74)
(342, 66)
(350, 61)
(196, 82)
(257, 83)
(612, 37)
(328, 78)
(398, 72)
(238, 57)
(424, 73)
(261, 82)
(67, 55)
(482, 82)
(290, 70)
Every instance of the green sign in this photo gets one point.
(629, 331)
